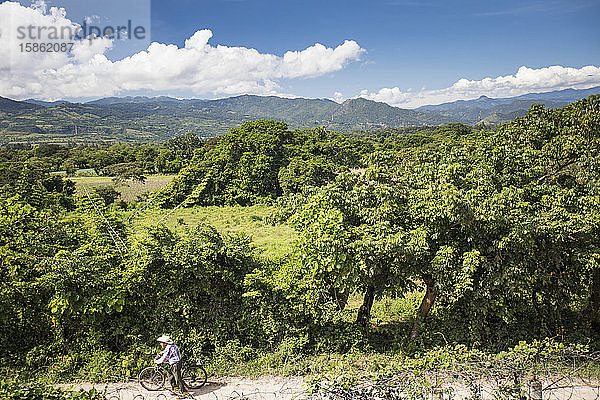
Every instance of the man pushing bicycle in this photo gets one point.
(170, 353)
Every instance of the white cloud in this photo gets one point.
(338, 97)
(318, 59)
(526, 80)
(198, 66)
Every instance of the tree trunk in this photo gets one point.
(593, 308)
(364, 312)
(340, 298)
(425, 306)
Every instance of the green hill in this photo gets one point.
(144, 119)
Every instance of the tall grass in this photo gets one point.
(271, 241)
(129, 190)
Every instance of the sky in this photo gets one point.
(406, 53)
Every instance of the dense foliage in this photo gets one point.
(502, 230)
(261, 160)
(498, 230)
(457, 372)
(114, 159)
(33, 391)
(73, 282)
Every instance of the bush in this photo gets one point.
(107, 193)
(36, 391)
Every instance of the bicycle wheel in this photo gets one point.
(194, 376)
(151, 378)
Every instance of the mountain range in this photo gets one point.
(142, 119)
(493, 111)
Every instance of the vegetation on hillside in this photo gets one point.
(478, 239)
(147, 120)
(502, 230)
(261, 160)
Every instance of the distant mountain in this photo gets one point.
(495, 111)
(298, 112)
(130, 99)
(367, 114)
(140, 118)
(306, 112)
(44, 103)
(16, 106)
(568, 95)
(134, 119)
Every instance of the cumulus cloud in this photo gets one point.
(198, 66)
(338, 97)
(526, 80)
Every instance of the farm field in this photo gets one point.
(272, 240)
(130, 190)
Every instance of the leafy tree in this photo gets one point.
(350, 240)
(168, 161)
(252, 162)
(186, 146)
(301, 173)
(239, 168)
(146, 156)
(506, 233)
(500, 229)
(125, 171)
(107, 193)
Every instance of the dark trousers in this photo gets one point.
(176, 381)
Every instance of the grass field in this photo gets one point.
(274, 241)
(130, 190)
(271, 241)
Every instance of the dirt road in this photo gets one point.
(265, 388)
(293, 388)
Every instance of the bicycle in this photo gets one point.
(193, 374)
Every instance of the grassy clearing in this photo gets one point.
(129, 190)
(274, 241)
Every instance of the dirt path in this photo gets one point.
(293, 388)
(265, 388)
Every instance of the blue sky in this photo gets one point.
(410, 44)
(403, 52)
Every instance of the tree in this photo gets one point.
(239, 167)
(107, 193)
(351, 236)
(501, 230)
(301, 173)
(254, 161)
(124, 171)
(508, 235)
(185, 146)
